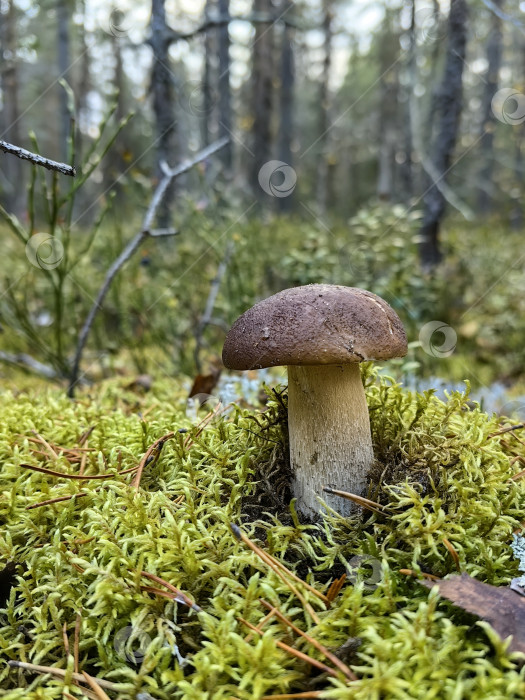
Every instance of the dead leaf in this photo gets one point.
(204, 384)
(501, 607)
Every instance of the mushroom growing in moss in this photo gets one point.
(321, 332)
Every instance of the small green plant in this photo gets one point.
(36, 305)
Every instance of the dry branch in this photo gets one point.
(169, 174)
(37, 159)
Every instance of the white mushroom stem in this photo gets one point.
(330, 440)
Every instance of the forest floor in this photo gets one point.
(148, 588)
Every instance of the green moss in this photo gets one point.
(439, 475)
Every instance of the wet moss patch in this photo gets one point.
(440, 477)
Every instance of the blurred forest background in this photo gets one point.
(370, 144)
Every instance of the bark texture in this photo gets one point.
(12, 183)
(286, 100)
(494, 51)
(64, 61)
(225, 110)
(448, 108)
(262, 83)
(163, 100)
(330, 440)
(324, 113)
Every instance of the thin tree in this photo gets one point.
(286, 99)
(163, 101)
(262, 91)
(207, 75)
(324, 109)
(13, 192)
(448, 105)
(225, 112)
(388, 136)
(494, 51)
(407, 167)
(64, 62)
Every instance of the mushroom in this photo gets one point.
(321, 332)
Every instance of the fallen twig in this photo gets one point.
(76, 643)
(291, 696)
(453, 552)
(59, 499)
(95, 687)
(320, 647)
(411, 572)
(51, 472)
(360, 500)
(61, 673)
(279, 571)
(506, 430)
(151, 456)
(261, 624)
(82, 439)
(176, 594)
(294, 652)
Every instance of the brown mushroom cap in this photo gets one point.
(318, 324)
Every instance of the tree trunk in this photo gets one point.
(407, 170)
(207, 78)
(286, 100)
(388, 135)
(64, 62)
(84, 81)
(225, 116)
(163, 102)
(114, 162)
(448, 114)
(324, 114)
(12, 186)
(494, 49)
(262, 101)
(517, 214)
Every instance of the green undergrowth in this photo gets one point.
(439, 475)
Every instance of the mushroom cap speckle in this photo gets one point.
(318, 324)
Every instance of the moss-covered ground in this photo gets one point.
(76, 594)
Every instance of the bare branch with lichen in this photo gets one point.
(37, 159)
